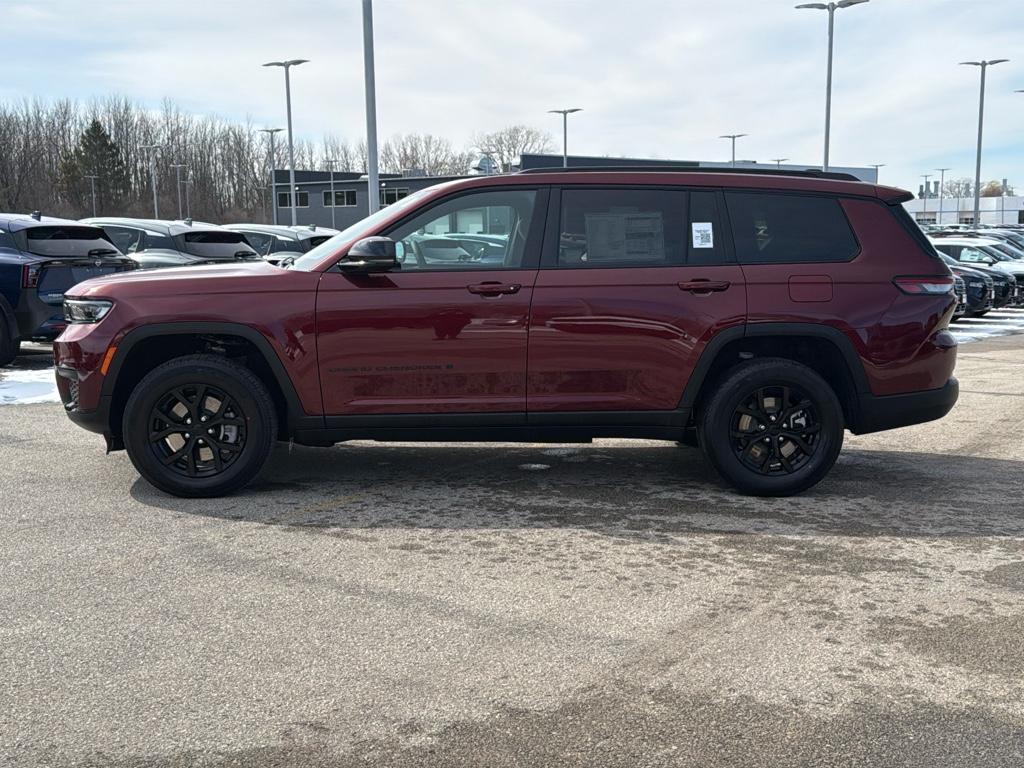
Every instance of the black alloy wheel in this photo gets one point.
(771, 427)
(197, 430)
(199, 426)
(775, 430)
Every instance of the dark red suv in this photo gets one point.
(757, 315)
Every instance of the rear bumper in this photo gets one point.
(38, 320)
(881, 412)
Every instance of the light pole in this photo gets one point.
(925, 176)
(177, 182)
(779, 161)
(270, 161)
(330, 166)
(152, 148)
(942, 184)
(565, 130)
(372, 182)
(983, 65)
(189, 181)
(876, 166)
(733, 137)
(92, 185)
(286, 66)
(831, 8)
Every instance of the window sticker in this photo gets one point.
(703, 235)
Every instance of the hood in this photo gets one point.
(235, 277)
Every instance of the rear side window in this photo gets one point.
(707, 246)
(6, 241)
(621, 228)
(771, 228)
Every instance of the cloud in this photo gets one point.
(655, 77)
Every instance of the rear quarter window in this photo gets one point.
(773, 228)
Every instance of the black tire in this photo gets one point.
(226, 452)
(10, 347)
(979, 313)
(734, 440)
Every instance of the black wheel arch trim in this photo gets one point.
(297, 416)
(753, 330)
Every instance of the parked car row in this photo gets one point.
(42, 256)
(990, 262)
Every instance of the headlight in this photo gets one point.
(86, 310)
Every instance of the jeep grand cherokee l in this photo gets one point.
(758, 315)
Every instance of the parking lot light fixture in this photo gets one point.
(732, 137)
(779, 161)
(330, 166)
(286, 66)
(925, 176)
(831, 8)
(177, 182)
(92, 184)
(565, 130)
(270, 161)
(151, 149)
(942, 184)
(983, 66)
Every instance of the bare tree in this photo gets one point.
(963, 187)
(507, 145)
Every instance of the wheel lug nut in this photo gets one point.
(188, 436)
(203, 418)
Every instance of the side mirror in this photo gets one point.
(371, 254)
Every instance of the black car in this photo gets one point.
(153, 243)
(40, 258)
(980, 287)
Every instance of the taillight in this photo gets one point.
(924, 286)
(30, 275)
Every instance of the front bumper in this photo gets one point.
(880, 412)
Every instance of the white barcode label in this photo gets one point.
(703, 234)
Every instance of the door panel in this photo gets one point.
(623, 340)
(422, 342)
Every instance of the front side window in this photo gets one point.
(125, 238)
(483, 230)
(772, 228)
(151, 240)
(260, 242)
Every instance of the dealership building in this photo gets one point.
(317, 204)
(997, 211)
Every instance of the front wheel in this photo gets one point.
(773, 427)
(199, 426)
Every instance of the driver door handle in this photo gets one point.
(704, 286)
(494, 289)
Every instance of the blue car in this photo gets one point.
(40, 258)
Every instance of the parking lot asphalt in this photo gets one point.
(439, 605)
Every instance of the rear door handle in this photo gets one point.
(704, 286)
(494, 289)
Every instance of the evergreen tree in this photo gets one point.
(96, 155)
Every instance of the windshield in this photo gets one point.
(66, 241)
(219, 245)
(360, 229)
(1008, 250)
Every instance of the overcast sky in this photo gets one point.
(658, 78)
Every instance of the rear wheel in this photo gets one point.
(773, 427)
(199, 426)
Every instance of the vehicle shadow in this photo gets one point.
(633, 490)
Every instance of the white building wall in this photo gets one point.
(994, 210)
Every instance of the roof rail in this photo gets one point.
(810, 173)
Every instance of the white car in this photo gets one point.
(983, 252)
